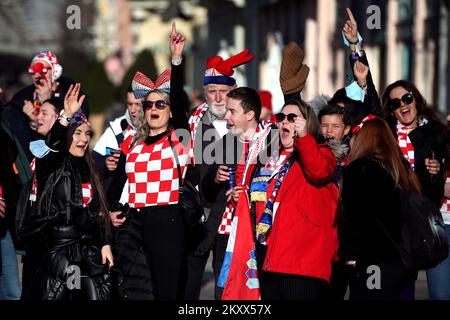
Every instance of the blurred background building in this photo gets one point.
(118, 37)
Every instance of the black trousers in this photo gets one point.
(195, 264)
(339, 281)
(220, 246)
(163, 244)
(194, 276)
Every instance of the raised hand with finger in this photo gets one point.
(177, 42)
(350, 28)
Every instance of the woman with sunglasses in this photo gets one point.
(371, 210)
(66, 205)
(419, 133)
(155, 220)
(294, 203)
(422, 139)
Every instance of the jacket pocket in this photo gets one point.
(311, 218)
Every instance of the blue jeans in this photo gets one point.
(9, 277)
(438, 278)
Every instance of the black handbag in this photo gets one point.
(189, 197)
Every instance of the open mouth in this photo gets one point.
(82, 147)
(154, 116)
(285, 132)
(38, 81)
(405, 111)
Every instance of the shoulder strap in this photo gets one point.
(180, 181)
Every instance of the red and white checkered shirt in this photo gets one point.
(152, 172)
(88, 193)
(405, 143)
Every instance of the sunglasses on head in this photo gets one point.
(290, 117)
(407, 98)
(159, 104)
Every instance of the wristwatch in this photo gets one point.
(177, 61)
(63, 116)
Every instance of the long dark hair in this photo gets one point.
(376, 140)
(97, 184)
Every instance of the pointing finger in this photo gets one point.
(350, 15)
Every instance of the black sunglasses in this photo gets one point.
(407, 98)
(159, 104)
(290, 117)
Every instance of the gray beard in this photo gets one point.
(215, 115)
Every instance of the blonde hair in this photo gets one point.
(142, 126)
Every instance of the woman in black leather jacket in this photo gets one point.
(70, 213)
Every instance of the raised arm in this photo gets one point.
(179, 116)
(360, 67)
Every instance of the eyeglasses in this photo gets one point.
(159, 104)
(407, 98)
(290, 117)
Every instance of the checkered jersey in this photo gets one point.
(405, 143)
(152, 172)
(88, 193)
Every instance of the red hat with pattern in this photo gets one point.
(219, 71)
(50, 58)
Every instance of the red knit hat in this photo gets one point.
(219, 71)
(266, 99)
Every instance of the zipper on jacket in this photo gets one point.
(269, 250)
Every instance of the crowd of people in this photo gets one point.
(296, 205)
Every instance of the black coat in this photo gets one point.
(426, 139)
(215, 192)
(9, 181)
(369, 197)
